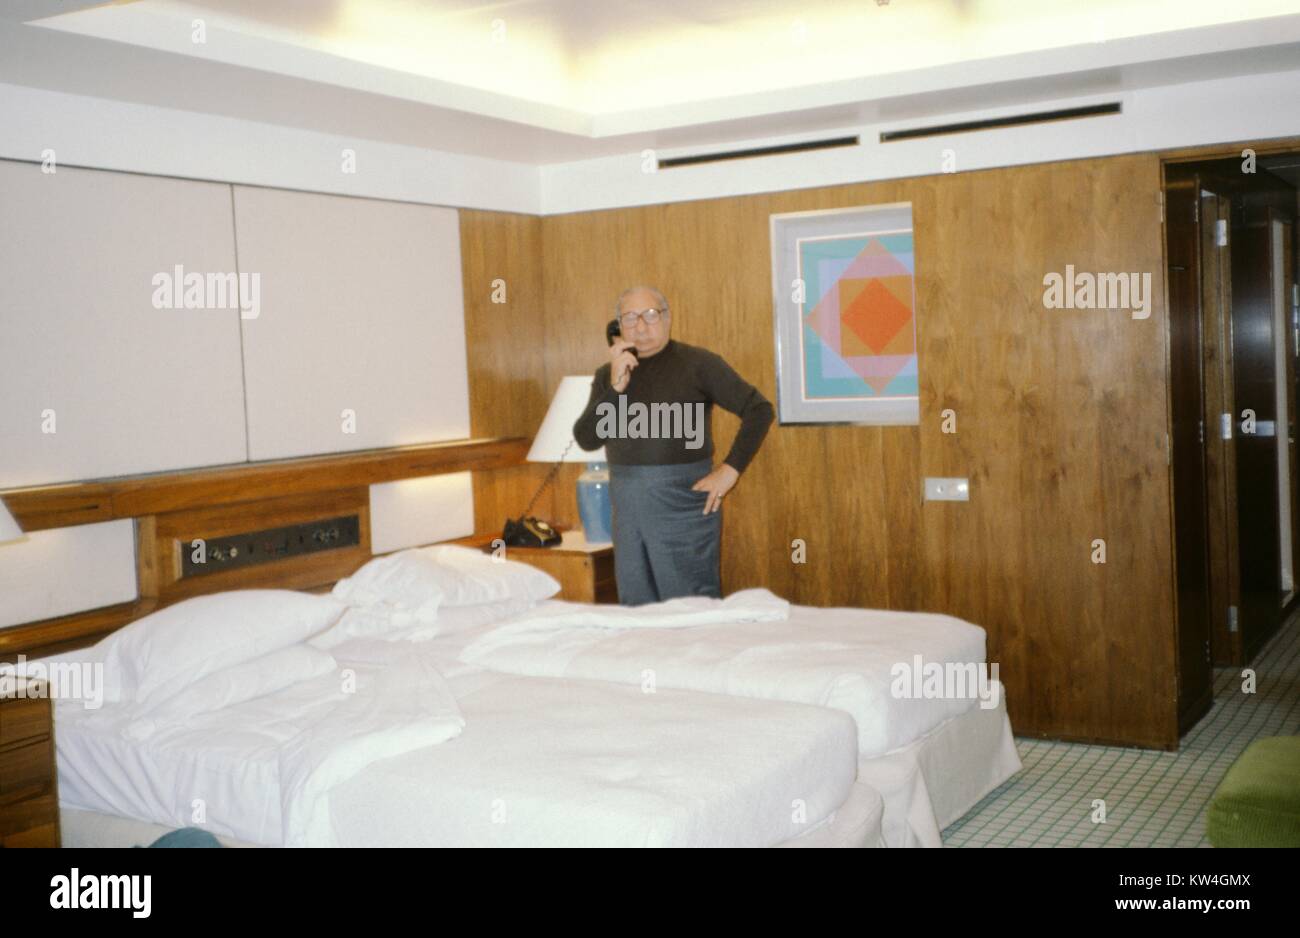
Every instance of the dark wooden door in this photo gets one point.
(1291, 300)
(1220, 427)
(1187, 402)
(1255, 377)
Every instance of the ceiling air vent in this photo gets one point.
(828, 144)
(1018, 120)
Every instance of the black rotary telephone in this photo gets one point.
(530, 532)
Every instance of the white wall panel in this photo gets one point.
(132, 388)
(63, 570)
(420, 511)
(86, 131)
(361, 311)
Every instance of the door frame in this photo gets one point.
(1227, 645)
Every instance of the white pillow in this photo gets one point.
(155, 657)
(405, 581)
(235, 685)
(424, 580)
(474, 568)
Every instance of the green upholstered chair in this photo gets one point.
(1258, 802)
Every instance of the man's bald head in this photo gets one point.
(640, 297)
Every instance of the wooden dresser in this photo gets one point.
(29, 795)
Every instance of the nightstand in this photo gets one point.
(29, 792)
(585, 571)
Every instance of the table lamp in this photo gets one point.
(555, 443)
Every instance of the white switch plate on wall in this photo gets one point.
(947, 490)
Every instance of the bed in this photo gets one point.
(573, 714)
(931, 757)
(539, 762)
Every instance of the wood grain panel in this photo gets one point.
(1232, 150)
(174, 532)
(505, 341)
(59, 506)
(14, 821)
(66, 633)
(1061, 419)
(29, 815)
(25, 771)
(24, 719)
(136, 496)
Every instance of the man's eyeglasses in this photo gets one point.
(650, 316)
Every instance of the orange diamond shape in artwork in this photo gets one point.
(875, 315)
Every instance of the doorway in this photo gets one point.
(1234, 338)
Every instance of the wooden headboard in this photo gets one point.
(172, 509)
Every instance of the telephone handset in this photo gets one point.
(615, 331)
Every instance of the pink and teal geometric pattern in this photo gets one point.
(859, 332)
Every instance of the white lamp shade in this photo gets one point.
(9, 530)
(556, 433)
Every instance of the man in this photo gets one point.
(667, 494)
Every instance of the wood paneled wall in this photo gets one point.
(505, 338)
(1061, 417)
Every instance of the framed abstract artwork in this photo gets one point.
(845, 308)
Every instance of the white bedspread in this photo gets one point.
(539, 762)
(547, 762)
(393, 710)
(263, 768)
(752, 605)
(842, 658)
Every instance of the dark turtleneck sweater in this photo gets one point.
(678, 374)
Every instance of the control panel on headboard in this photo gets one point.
(200, 556)
(290, 542)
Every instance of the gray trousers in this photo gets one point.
(664, 544)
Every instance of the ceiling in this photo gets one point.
(543, 81)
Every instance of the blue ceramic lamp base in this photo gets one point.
(595, 507)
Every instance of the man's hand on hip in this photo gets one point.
(717, 483)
